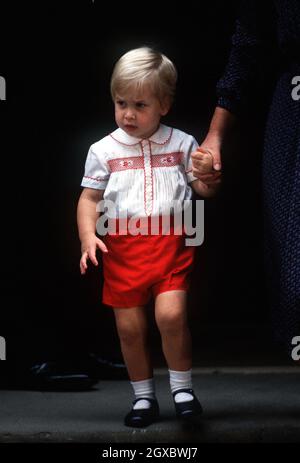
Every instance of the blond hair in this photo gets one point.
(144, 66)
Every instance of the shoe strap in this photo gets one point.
(189, 391)
(152, 401)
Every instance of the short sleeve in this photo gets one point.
(191, 146)
(96, 172)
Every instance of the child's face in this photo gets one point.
(138, 113)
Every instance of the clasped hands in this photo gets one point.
(207, 165)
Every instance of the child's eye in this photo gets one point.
(141, 105)
(121, 103)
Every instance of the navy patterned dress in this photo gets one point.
(259, 24)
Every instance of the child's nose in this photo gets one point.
(130, 114)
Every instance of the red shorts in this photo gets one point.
(137, 267)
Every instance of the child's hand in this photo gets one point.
(208, 179)
(204, 161)
(89, 246)
(203, 166)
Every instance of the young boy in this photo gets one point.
(142, 167)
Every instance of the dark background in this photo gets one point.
(57, 62)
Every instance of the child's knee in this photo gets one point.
(130, 334)
(171, 321)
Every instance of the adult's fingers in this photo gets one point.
(212, 181)
(206, 176)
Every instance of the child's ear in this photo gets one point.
(165, 106)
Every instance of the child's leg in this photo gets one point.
(132, 330)
(171, 319)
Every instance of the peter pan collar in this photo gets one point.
(160, 137)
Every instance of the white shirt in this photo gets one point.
(142, 177)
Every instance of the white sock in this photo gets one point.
(145, 389)
(181, 380)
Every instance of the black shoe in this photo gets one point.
(187, 410)
(58, 376)
(47, 376)
(144, 416)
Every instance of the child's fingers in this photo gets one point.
(204, 151)
(215, 154)
(201, 156)
(83, 264)
(203, 162)
(82, 269)
(101, 246)
(90, 253)
(92, 256)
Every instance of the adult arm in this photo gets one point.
(250, 45)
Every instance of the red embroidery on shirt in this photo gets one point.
(118, 164)
(167, 159)
(97, 179)
(136, 162)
